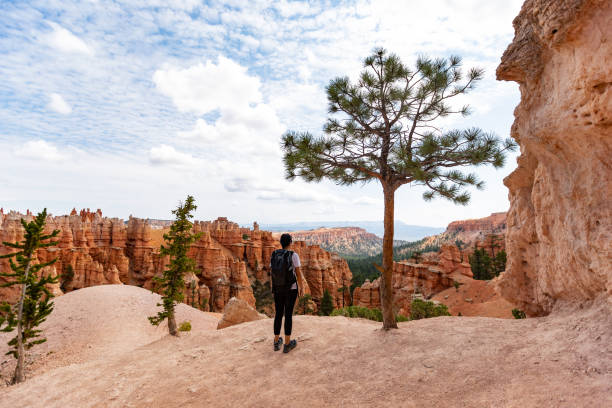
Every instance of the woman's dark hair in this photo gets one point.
(285, 240)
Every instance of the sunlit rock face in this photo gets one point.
(559, 231)
(90, 247)
(100, 250)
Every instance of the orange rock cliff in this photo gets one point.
(559, 235)
(101, 250)
(438, 271)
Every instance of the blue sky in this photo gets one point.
(129, 106)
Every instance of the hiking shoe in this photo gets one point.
(288, 347)
(278, 344)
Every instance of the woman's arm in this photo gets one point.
(300, 279)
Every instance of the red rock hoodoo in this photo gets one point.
(559, 235)
(229, 258)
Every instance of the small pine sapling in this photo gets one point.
(327, 303)
(172, 282)
(34, 305)
(304, 304)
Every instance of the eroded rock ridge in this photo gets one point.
(559, 234)
(96, 250)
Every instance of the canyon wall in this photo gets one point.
(346, 241)
(477, 230)
(559, 231)
(433, 274)
(98, 250)
(487, 232)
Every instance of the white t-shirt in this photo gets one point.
(296, 264)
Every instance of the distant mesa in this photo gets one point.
(404, 232)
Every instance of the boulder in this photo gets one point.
(238, 311)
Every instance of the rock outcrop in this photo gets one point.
(450, 260)
(408, 279)
(346, 241)
(559, 231)
(238, 311)
(90, 249)
(95, 250)
(487, 232)
(495, 222)
(322, 271)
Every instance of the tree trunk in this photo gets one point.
(19, 375)
(172, 324)
(386, 281)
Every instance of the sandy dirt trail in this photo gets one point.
(564, 360)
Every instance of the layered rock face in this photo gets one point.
(100, 250)
(408, 279)
(346, 241)
(450, 260)
(323, 270)
(89, 245)
(559, 231)
(495, 222)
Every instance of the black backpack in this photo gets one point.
(282, 273)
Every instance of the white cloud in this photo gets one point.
(282, 56)
(365, 200)
(296, 195)
(58, 104)
(206, 87)
(64, 41)
(245, 126)
(168, 155)
(39, 150)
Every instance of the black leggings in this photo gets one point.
(283, 304)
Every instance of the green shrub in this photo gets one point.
(518, 314)
(401, 318)
(359, 311)
(263, 295)
(327, 303)
(423, 309)
(365, 313)
(185, 327)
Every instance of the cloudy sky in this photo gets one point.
(129, 106)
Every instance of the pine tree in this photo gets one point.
(494, 241)
(499, 262)
(342, 290)
(304, 304)
(327, 303)
(385, 130)
(481, 264)
(35, 303)
(177, 244)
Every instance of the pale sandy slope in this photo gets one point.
(559, 361)
(99, 322)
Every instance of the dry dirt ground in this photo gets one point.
(475, 298)
(563, 360)
(99, 322)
